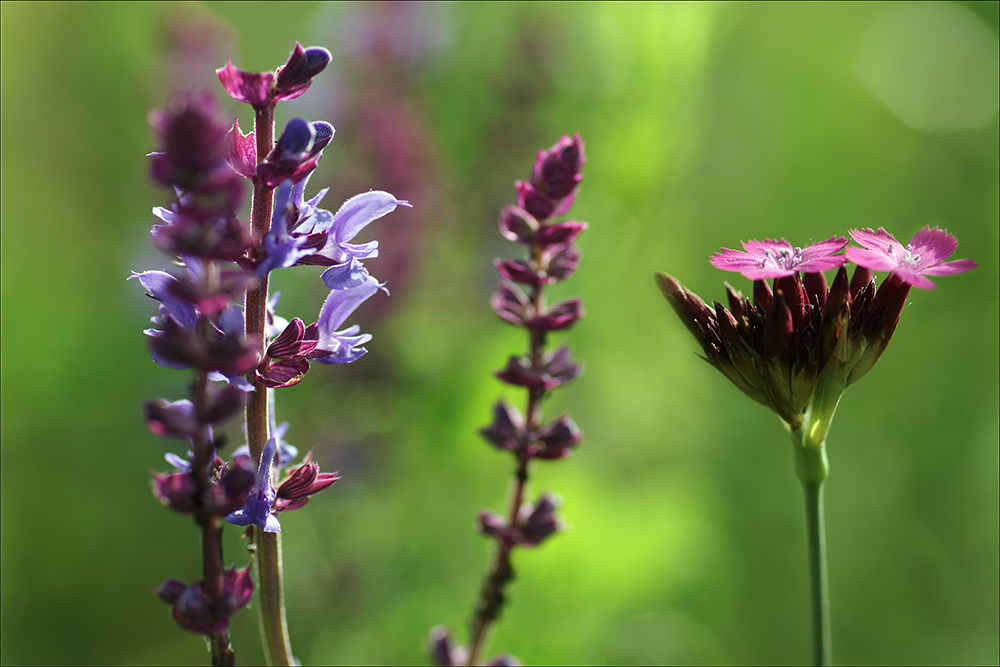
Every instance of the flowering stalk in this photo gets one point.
(799, 343)
(247, 353)
(552, 257)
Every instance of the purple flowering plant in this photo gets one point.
(798, 343)
(520, 300)
(217, 320)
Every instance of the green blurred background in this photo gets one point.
(704, 124)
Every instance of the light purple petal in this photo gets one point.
(343, 276)
(266, 459)
(341, 303)
(345, 355)
(361, 210)
(360, 250)
(177, 461)
(158, 283)
(165, 214)
(231, 321)
(237, 381)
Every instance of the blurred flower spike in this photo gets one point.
(799, 343)
(519, 300)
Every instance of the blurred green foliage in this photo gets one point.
(705, 124)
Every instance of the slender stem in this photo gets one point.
(274, 624)
(812, 468)
(501, 572)
(266, 546)
(818, 582)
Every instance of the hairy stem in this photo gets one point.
(266, 546)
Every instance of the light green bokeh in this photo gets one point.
(705, 124)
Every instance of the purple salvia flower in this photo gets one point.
(159, 285)
(257, 508)
(285, 453)
(778, 259)
(354, 215)
(303, 233)
(281, 248)
(343, 345)
(923, 256)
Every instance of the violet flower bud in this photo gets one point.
(296, 152)
(511, 304)
(559, 233)
(540, 521)
(556, 171)
(493, 525)
(520, 271)
(443, 653)
(296, 75)
(507, 429)
(517, 225)
(176, 491)
(558, 438)
(195, 611)
(172, 420)
(561, 316)
(534, 202)
(556, 369)
(562, 260)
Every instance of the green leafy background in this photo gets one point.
(705, 124)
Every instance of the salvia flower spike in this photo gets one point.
(552, 256)
(216, 319)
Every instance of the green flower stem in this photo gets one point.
(270, 586)
(266, 547)
(812, 467)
